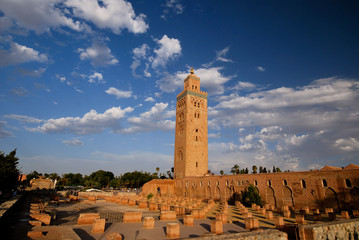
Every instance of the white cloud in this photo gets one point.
(244, 86)
(350, 144)
(20, 54)
(39, 15)
(149, 99)
(20, 91)
(99, 55)
(113, 14)
(139, 54)
(154, 119)
(91, 123)
(169, 48)
(96, 77)
(22, 118)
(77, 89)
(261, 69)
(32, 73)
(74, 142)
(212, 80)
(221, 55)
(172, 6)
(118, 93)
(304, 124)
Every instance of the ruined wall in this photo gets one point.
(42, 184)
(348, 229)
(159, 186)
(317, 189)
(264, 235)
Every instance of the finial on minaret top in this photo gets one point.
(192, 72)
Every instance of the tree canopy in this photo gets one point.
(9, 173)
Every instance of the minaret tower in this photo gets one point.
(191, 137)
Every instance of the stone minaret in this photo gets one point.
(191, 138)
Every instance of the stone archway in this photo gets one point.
(331, 199)
(270, 196)
(288, 197)
(229, 193)
(208, 193)
(217, 194)
(190, 192)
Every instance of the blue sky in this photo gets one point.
(89, 85)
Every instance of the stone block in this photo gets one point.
(269, 215)
(131, 202)
(286, 214)
(172, 230)
(222, 217)
(285, 208)
(148, 223)
(35, 223)
(87, 218)
(98, 226)
(306, 209)
(188, 220)
(299, 218)
(142, 204)
(217, 227)
(317, 217)
(168, 215)
(328, 210)
(332, 216)
(262, 211)
(92, 198)
(355, 213)
(247, 215)
(316, 211)
(34, 234)
(345, 215)
(153, 206)
(278, 221)
(251, 223)
(132, 217)
(253, 206)
(124, 201)
(44, 218)
(114, 236)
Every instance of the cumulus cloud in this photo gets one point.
(350, 144)
(20, 54)
(172, 6)
(74, 142)
(40, 16)
(90, 123)
(119, 93)
(154, 119)
(305, 123)
(212, 80)
(169, 48)
(99, 55)
(113, 14)
(244, 86)
(149, 99)
(139, 54)
(96, 77)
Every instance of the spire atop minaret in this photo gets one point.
(192, 72)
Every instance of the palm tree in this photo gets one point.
(157, 170)
(221, 172)
(254, 168)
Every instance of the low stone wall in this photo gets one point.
(345, 229)
(263, 235)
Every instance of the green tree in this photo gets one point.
(135, 179)
(254, 168)
(221, 172)
(100, 178)
(235, 169)
(9, 173)
(157, 170)
(250, 195)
